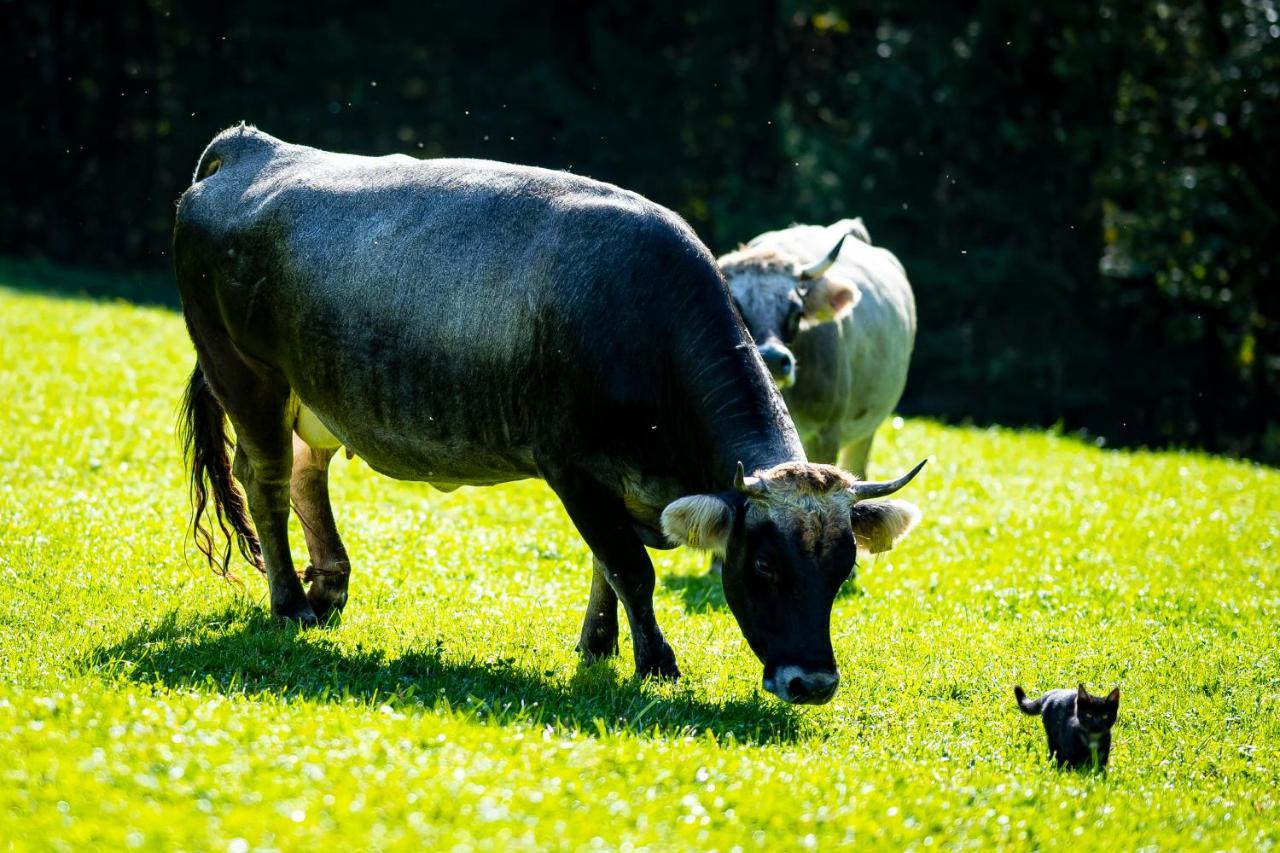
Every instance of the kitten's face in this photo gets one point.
(1097, 714)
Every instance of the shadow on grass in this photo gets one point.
(852, 588)
(48, 279)
(700, 592)
(703, 592)
(242, 653)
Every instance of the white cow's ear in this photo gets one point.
(879, 525)
(699, 521)
(830, 298)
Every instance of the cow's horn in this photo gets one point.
(813, 271)
(753, 486)
(862, 491)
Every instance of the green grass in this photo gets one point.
(145, 703)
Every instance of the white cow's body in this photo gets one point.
(849, 372)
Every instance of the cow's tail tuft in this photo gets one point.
(203, 428)
(1028, 706)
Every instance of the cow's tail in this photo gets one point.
(203, 427)
(1028, 706)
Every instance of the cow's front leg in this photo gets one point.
(824, 446)
(854, 456)
(620, 556)
(600, 627)
(330, 569)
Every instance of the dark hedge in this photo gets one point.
(1085, 195)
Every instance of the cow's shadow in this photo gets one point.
(241, 653)
(703, 591)
(700, 592)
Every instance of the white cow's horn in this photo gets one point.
(863, 491)
(813, 271)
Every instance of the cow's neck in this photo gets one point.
(741, 415)
(756, 450)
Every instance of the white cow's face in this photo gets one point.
(770, 304)
(777, 304)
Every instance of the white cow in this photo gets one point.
(835, 320)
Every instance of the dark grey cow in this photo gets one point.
(463, 322)
(835, 320)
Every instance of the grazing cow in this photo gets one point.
(835, 321)
(464, 322)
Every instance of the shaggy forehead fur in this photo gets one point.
(806, 478)
(811, 497)
(761, 280)
(756, 259)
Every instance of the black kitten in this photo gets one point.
(1078, 725)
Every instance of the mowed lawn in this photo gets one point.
(145, 703)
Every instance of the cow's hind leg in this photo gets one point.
(264, 470)
(256, 400)
(330, 568)
(600, 627)
(853, 458)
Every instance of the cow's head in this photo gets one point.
(788, 536)
(778, 298)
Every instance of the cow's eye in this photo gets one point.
(791, 327)
(762, 569)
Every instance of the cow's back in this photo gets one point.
(345, 230)
(453, 314)
(865, 356)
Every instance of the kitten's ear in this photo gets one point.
(1113, 698)
(1082, 694)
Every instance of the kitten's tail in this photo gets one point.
(1028, 706)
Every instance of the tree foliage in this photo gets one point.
(1084, 194)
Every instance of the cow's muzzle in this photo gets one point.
(781, 363)
(801, 686)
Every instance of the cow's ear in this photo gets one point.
(829, 298)
(879, 525)
(699, 521)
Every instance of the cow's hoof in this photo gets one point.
(327, 605)
(598, 642)
(327, 591)
(330, 617)
(662, 666)
(302, 616)
(597, 650)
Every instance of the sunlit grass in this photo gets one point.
(145, 703)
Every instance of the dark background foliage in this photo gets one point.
(1084, 194)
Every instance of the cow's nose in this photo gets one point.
(813, 688)
(802, 686)
(781, 363)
